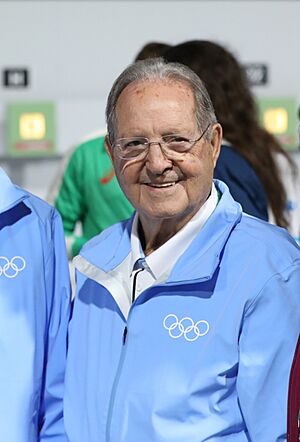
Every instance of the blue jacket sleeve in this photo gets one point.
(267, 345)
(58, 296)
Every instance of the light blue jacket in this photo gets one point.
(205, 356)
(34, 313)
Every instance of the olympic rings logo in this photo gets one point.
(11, 268)
(185, 327)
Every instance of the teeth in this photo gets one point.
(163, 185)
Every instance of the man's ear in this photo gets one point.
(108, 147)
(215, 141)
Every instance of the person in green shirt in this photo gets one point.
(86, 190)
(89, 194)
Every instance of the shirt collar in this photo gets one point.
(161, 261)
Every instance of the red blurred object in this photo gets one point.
(107, 178)
(294, 399)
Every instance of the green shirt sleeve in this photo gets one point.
(79, 241)
(70, 199)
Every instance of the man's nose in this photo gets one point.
(157, 161)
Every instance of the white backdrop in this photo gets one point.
(75, 49)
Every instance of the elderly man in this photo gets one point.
(187, 316)
(34, 312)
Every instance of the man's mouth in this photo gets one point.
(162, 185)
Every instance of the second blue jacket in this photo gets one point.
(34, 314)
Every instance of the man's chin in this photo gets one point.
(157, 213)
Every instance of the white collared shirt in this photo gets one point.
(159, 263)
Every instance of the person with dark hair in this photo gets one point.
(152, 50)
(248, 159)
(186, 316)
(35, 312)
(86, 191)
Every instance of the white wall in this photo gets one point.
(75, 49)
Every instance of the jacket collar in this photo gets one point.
(198, 262)
(117, 246)
(10, 195)
(202, 258)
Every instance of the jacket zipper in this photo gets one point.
(124, 335)
(116, 383)
(122, 358)
(121, 362)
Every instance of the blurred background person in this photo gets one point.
(86, 191)
(252, 163)
(89, 198)
(152, 50)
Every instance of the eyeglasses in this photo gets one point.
(137, 148)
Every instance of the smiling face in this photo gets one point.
(159, 187)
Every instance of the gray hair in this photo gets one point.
(154, 69)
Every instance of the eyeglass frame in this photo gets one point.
(161, 144)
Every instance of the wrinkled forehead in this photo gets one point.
(158, 89)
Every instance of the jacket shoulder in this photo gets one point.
(40, 208)
(263, 238)
(109, 237)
